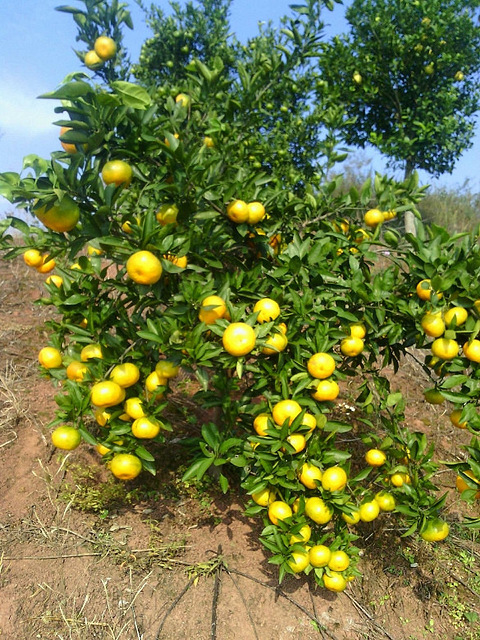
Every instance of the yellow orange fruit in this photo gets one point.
(66, 437)
(90, 351)
(145, 428)
(267, 310)
(125, 466)
(106, 394)
(212, 309)
(33, 257)
(321, 365)
(125, 374)
(334, 479)
(238, 339)
(76, 371)
(279, 510)
(237, 211)
(375, 457)
(62, 216)
(144, 267)
(92, 60)
(373, 218)
(256, 212)
(105, 47)
(274, 344)
(167, 214)
(326, 390)
(117, 172)
(286, 409)
(50, 358)
(319, 555)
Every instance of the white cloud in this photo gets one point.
(21, 113)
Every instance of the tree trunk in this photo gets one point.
(409, 218)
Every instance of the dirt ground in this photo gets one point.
(83, 557)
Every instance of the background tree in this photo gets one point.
(407, 74)
(267, 98)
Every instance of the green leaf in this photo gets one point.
(67, 9)
(132, 95)
(69, 91)
(210, 435)
(198, 469)
(142, 453)
(223, 483)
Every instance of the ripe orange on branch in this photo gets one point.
(267, 310)
(321, 365)
(318, 510)
(435, 530)
(105, 47)
(334, 479)
(279, 510)
(90, 351)
(144, 267)
(237, 211)
(457, 314)
(125, 466)
(212, 309)
(256, 212)
(76, 371)
(373, 218)
(238, 339)
(433, 324)
(351, 346)
(145, 428)
(33, 257)
(117, 172)
(274, 344)
(66, 437)
(299, 561)
(319, 555)
(92, 60)
(286, 409)
(375, 457)
(326, 390)
(424, 290)
(445, 348)
(62, 216)
(106, 394)
(471, 350)
(125, 374)
(50, 358)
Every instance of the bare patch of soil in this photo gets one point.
(178, 562)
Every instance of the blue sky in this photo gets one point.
(36, 47)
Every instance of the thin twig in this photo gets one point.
(359, 607)
(227, 571)
(4, 444)
(287, 597)
(216, 593)
(132, 606)
(68, 555)
(173, 605)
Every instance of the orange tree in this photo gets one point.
(168, 248)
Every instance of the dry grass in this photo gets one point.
(103, 611)
(12, 410)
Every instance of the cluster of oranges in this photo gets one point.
(443, 324)
(240, 212)
(104, 49)
(374, 217)
(116, 400)
(307, 521)
(43, 263)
